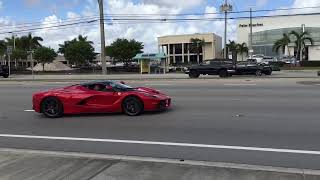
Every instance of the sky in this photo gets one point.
(45, 13)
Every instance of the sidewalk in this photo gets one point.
(281, 74)
(25, 164)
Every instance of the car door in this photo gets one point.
(252, 68)
(102, 99)
(241, 68)
(204, 67)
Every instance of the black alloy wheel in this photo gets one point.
(51, 107)
(132, 106)
(223, 73)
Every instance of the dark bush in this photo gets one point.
(310, 63)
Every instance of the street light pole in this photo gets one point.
(102, 35)
(225, 8)
(250, 45)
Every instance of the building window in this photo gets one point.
(171, 48)
(186, 60)
(178, 60)
(171, 60)
(186, 47)
(178, 48)
(193, 59)
(200, 59)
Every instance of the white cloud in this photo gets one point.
(144, 32)
(261, 3)
(186, 4)
(1, 4)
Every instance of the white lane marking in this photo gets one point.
(292, 151)
(240, 84)
(29, 110)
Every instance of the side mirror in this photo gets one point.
(122, 82)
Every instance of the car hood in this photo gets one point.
(148, 90)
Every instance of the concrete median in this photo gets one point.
(29, 164)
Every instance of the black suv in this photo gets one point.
(221, 67)
(4, 71)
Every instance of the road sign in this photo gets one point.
(9, 50)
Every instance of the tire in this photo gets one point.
(5, 75)
(52, 107)
(132, 106)
(258, 72)
(194, 74)
(223, 73)
(268, 72)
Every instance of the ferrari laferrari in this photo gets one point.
(99, 97)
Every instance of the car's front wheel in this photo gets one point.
(223, 73)
(132, 106)
(52, 107)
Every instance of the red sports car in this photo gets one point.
(99, 97)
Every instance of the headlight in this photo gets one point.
(149, 95)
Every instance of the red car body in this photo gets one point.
(80, 98)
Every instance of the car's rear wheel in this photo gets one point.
(5, 75)
(223, 73)
(194, 74)
(258, 72)
(132, 106)
(52, 107)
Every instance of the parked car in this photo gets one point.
(221, 67)
(258, 69)
(225, 68)
(4, 71)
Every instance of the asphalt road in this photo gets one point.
(277, 116)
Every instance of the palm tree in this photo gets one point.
(242, 49)
(233, 48)
(282, 44)
(197, 46)
(300, 42)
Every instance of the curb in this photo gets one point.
(63, 80)
(163, 160)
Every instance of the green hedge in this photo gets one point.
(310, 63)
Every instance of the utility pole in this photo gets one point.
(250, 44)
(303, 28)
(102, 54)
(32, 62)
(225, 8)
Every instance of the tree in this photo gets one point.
(282, 44)
(196, 45)
(233, 48)
(19, 54)
(242, 49)
(29, 42)
(300, 42)
(44, 55)
(124, 50)
(81, 38)
(79, 52)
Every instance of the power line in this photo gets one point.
(146, 21)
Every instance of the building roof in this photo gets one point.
(152, 56)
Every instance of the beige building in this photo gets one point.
(177, 48)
